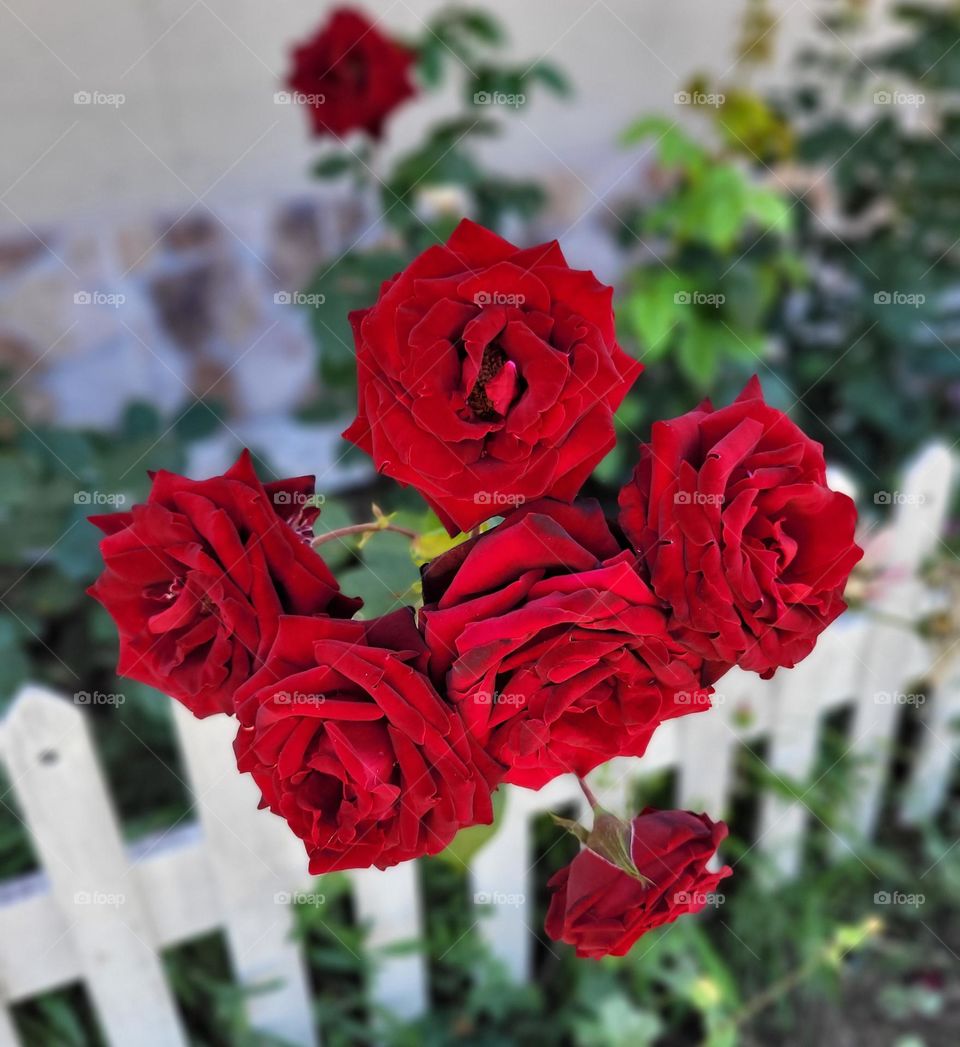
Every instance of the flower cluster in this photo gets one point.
(555, 637)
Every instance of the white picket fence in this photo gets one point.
(100, 912)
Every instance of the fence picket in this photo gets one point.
(65, 804)
(921, 509)
(255, 861)
(792, 748)
(937, 747)
(8, 1034)
(390, 902)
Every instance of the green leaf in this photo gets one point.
(551, 77)
(468, 842)
(770, 209)
(334, 165)
(653, 312)
(697, 355)
(387, 579)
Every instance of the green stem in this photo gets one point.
(362, 528)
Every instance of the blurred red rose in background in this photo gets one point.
(350, 76)
(602, 910)
(197, 577)
(731, 515)
(488, 376)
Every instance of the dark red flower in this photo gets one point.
(197, 577)
(349, 742)
(350, 75)
(488, 376)
(731, 515)
(553, 647)
(602, 910)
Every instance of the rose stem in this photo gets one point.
(588, 792)
(362, 528)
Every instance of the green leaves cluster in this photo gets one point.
(720, 262)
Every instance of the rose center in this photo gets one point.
(495, 386)
(167, 593)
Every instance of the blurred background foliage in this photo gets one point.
(790, 235)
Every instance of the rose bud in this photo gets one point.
(349, 742)
(197, 578)
(602, 902)
(730, 513)
(551, 644)
(350, 75)
(488, 376)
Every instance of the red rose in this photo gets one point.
(603, 910)
(350, 743)
(488, 376)
(553, 647)
(730, 512)
(350, 75)
(197, 577)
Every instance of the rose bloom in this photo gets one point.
(602, 910)
(349, 742)
(488, 376)
(731, 515)
(350, 75)
(551, 644)
(197, 577)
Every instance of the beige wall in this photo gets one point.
(198, 78)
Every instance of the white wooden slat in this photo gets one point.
(390, 901)
(937, 748)
(921, 508)
(8, 1034)
(792, 748)
(173, 876)
(255, 863)
(65, 804)
(501, 874)
(709, 741)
